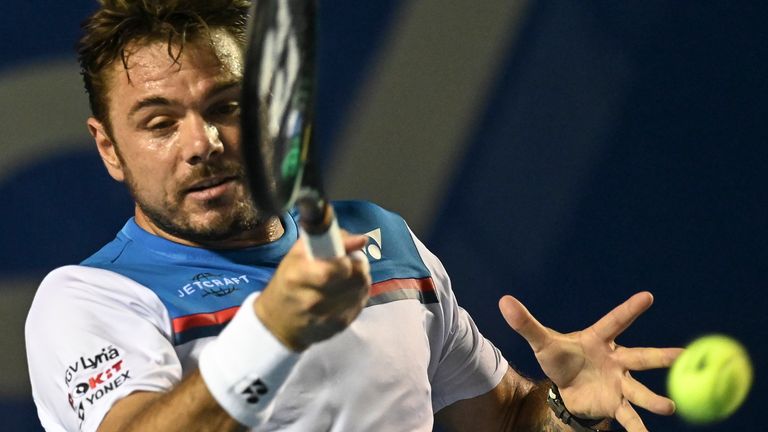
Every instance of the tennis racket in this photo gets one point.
(277, 119)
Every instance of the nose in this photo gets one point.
(202, 142)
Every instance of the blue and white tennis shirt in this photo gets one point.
(136, 315)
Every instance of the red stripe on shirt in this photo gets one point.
(180, 324)
(187, 322)
(425, 285)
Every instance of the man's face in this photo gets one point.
(175, 139)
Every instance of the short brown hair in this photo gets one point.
(118, 23)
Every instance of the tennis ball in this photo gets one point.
(710, 379)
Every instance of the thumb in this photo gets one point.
(518, 317)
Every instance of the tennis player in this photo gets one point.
(205, 315)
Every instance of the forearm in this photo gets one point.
(187, 407)
(515, 404)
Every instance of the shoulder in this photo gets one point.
(69, 294)
(380, 225)
(107, 254)
(69, 281)
(391, 244)
(365, 216)
(363, 209)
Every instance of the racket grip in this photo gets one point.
(323, 241)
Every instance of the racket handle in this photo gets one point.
(323, 237)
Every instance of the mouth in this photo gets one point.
(212, 187)
(210, 183)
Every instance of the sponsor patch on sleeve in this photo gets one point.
(91, 377)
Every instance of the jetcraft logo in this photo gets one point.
(212, 284)
(373, 248)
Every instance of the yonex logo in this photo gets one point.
(254, 390)
(373, 248)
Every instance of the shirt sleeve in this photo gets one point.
(464, 363)
(92, 338)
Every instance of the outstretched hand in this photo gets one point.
(590, 369)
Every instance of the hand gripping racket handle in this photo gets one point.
(319, 229)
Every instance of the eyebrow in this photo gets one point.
(148, 102)
(159, 101)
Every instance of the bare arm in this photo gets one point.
(189, 406)
(515, 404)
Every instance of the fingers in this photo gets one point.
(622, 316)
(636, 393)
(332, 273)
(353, 242)
(646, 358)
(518, 317)
(627, 417)
(643, 397)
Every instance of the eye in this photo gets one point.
(226, 109)
(160, 123)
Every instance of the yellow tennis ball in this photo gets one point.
(710, 379)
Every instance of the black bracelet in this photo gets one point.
(555, 402)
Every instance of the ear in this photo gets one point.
(107, 149)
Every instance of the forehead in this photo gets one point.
(153, 64)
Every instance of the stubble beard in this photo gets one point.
(232, 220)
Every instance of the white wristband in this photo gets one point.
(245, 366)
